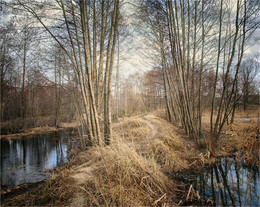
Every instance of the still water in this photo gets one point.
(24, 160)
(229, 182)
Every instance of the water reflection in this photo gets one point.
(23, 160)
(229, 182)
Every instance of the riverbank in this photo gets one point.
(134, 170)
(39, 130)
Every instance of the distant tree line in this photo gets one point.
(139, 93)
(34, 90)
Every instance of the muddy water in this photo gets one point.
(24, 160)
(229, 182)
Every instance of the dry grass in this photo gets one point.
(122, 177)
(38, 130)
(243, 140)
(54, 191)
(251, 112)
(170, 149)
(31, 131)
(130, 130)
(126, 173)
(129, 172)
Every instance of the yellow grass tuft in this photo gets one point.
(122, 177)
(169, 160)
(130, 129)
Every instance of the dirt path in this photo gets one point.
(84, 172)
(153, 127)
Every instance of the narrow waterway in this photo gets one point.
(24, 160)
(228, 182)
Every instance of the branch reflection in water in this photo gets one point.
(23, 160)
(229, 182)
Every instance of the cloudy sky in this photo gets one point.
(254, 46)
(132, 57)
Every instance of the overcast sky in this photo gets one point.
(132, 61)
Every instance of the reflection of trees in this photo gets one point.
(219, 186)
(227, 183)
(238, 183)
(24, 151)
(21, 158)
(59, 150)
(212, 184)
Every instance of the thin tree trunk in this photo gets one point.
(92, 105)
(199, 113)
(219, 120)
(217, 67)
(193, 62)
(108, 73)
(117, 80)
(23, 82)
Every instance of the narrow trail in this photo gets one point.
(153, 127)
(84, 172)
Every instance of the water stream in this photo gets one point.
(228, 182)
(24, 160)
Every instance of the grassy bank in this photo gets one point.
(39, 130)
(134, 169)
(17, 126)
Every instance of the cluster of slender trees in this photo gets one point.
(196, 40)
(86, 33)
